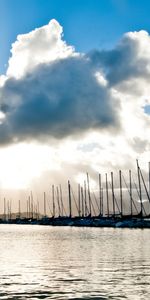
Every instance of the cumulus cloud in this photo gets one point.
(56, 100)
(42, 45)
(50, 90)
(128, 60)
(126, 69)
(53, 91)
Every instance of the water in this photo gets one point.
(38, 262)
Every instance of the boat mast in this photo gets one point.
(147, 193)
(31, 205)
(107, 198)
(29, 208)
(149, 177)
(121, 201)
(113, 196)
(140, 191)
(61, 201)
(102, 202)
(85, 200)
(89, 193)
(38, 211)
(53, 199)
(131, 193)
(59, 212)
(69, 194)
(82, 202)
(4, 209)
(44, 205)
(19, 210)
(9, 209)
(100, 195)
(79, 205)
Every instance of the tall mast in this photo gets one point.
(4, 209)
(61, 200)
(140, 191)
(79, 204)
(130, 193)
(7, 209)
(53, 199)
(8, 212)
(82, 202)
(121, 202)
(89, 193)
(29, 208)
(38, 211)
(147, 193)
(85, 200)
(44, 205)
(100, 195)
(69, 195)
(149, 177)
(19, 210)
(102, 202)
(10, 209)
(113, 196)
(31, 205)
(59, 210)
(107, 199)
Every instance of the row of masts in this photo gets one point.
(103, 204)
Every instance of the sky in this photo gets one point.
(87, 24)
(74, 91)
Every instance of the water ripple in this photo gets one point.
(74, 263)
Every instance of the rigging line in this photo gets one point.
(86, 207)
(93, 207)
(139, 197)
(145, 186)
(75, 200)
(64, 210)
(95, 200)
(130, 194)
(115, 200)
(63, 207)
(57, 201)
(85, 200)
(48, 202)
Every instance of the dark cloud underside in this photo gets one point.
(56, 100)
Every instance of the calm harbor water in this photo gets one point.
(38, 262)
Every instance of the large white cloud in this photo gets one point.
(41, 45)
(128, 60)
(50, 91)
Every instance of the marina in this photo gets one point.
(105, 208)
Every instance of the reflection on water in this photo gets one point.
(74, 263)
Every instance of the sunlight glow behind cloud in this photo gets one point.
(63, 110)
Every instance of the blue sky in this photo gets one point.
(74, 112)
(87, 24)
